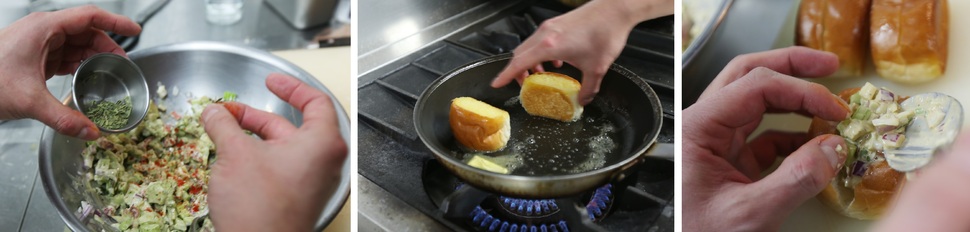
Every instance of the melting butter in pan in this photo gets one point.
(503, 164)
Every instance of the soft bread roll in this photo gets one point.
(909, 39)
(478, 125)
(836, 26)
(870, 198)
(551, 95)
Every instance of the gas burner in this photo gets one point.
(527, 208)
(600, 203)
(487, 222)
(515, 214)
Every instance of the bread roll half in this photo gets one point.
(909, 39)
(478, 125)
(551, 95)
(836, 26)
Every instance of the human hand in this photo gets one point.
(937, 199)
(589, 37)
(278, 183)
(44, 44)
(722, 181)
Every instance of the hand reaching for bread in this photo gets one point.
(589, 37)
(722, 182)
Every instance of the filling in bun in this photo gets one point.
(877, 123)
(866, 185)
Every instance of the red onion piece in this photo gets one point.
(885, 95)
(891, 137)
(858, 168)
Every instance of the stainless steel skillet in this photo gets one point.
(554, 154)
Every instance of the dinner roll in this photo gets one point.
(551, 95)
(478, 125)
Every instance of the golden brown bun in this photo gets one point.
(909, 39)
(870, 198)
(551, 95)
(478, 125)
(837, 26)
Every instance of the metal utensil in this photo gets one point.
(110, 77)
(129, 42)
(927, 133)
(200, 217)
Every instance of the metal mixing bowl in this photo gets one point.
(197, 69)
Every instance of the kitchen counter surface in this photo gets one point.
(25, 207)
(185, 20)
(392, 29)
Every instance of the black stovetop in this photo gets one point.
(391, 155)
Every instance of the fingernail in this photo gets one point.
(835, 150)
(86, 133)
(842, 103)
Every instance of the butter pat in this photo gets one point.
(483, 163)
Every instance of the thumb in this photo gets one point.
(591, 86)
(221, 126)
(64, 120)
(803, 174)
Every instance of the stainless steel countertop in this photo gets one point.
(23, 204)
(184, 20)
(391, 29)
(260, 27)
(379, 210)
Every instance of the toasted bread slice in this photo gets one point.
(478, 125)
(551, 95)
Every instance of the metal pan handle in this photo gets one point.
(658, 150)
(662, 151)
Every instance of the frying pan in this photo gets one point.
(626, 107)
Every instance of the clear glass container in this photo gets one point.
(223, 12)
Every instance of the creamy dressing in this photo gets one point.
(936, 122)
(928, 121)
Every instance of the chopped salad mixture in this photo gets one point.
(154, 177)
(877, 123)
